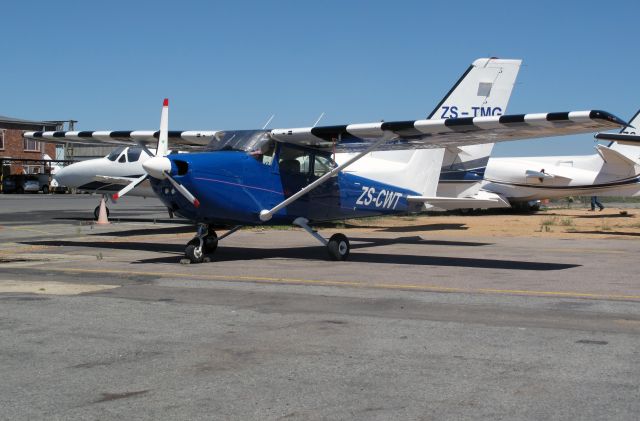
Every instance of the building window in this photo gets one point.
(1, 140)
(31, 145)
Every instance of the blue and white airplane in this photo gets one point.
(288, 176)
(484, 89)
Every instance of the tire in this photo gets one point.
(338, 247)
(211, 242)
(45, 189)
(96, 212)
(193, 252)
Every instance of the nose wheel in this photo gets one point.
(205, 243)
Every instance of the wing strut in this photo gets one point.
(266, 215)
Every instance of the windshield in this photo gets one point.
(115, 153)
(241, 140)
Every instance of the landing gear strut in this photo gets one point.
(338, 245)
(205, 242)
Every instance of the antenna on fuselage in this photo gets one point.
(268, 121)
(318, 120)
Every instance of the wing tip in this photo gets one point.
(604, 115)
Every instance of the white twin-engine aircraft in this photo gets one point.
(483, 90)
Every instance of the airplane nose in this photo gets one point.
(157, 166)
(60, 176)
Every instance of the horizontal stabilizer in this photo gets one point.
(625, 139)
(482, 199)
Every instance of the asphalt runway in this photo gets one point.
(103, 322)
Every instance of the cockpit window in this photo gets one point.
(123, 158)
(254, 141)
(133, 154)
(115, 153)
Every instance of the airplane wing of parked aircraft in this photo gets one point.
(420, 134)
(393, 135)
(625, 139)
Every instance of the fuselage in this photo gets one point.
(530, 178)
(234, 186)
(93, 175)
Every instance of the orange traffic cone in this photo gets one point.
(102, 216)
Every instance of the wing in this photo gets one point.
(120, 181)
(452, 132)
(183, 139)
(625, 139)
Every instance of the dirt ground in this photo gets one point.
(556, 223)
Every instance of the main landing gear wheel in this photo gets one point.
(338, 247)
(96, 212)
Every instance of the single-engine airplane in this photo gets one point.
(287, 176)
(484, 89)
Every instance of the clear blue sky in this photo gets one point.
(231, 64)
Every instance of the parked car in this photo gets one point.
(8, 184)
(26, 183)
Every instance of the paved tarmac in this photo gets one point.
(102, 322)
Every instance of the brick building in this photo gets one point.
(13, 146)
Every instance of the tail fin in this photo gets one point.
(634, 125)
(483, 90)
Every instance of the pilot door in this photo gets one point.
(298, 167)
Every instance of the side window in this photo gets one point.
(293, 161)
(123, 158)
(322, 165)
(133, 154)
(114, 154)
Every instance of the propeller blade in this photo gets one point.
(183, 190)
(163, 138)
(130, 187)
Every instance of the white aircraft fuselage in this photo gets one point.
(107, 175)
(613, 171)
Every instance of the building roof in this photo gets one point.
(21, 124)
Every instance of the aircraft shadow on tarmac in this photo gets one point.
(600, 216)
(89, 220)
(630, 234)
(181, 229)
(230, 253)
(405, 228)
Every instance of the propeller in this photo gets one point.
(159, 166)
